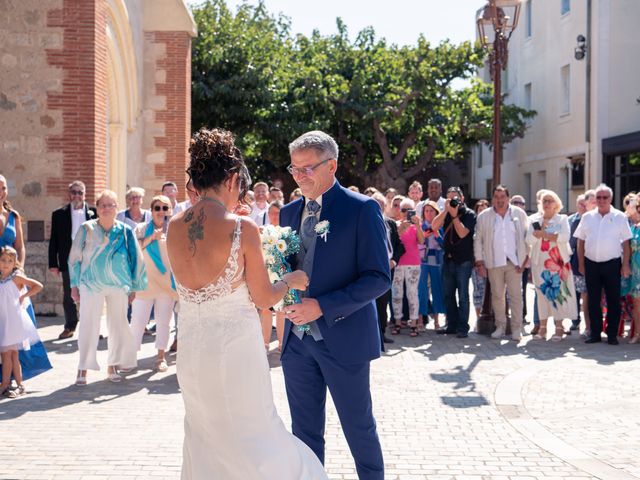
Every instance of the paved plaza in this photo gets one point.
(447, 408)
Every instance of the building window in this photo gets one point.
(577, 172)
(527, 191)
(542, 180)
(480, 149)
(527, 19)
(565, 90)
(527, 96)
(565, 7)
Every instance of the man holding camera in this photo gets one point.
(458, 222)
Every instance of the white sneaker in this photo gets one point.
(499, 333)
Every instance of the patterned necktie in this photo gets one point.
(309, 225)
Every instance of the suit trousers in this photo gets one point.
(383, 318)
(506, 280)
(70, 308)
(122, 347)
(603, 276)
(140, 313)
(309, 368)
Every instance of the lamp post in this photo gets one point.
(496, 22)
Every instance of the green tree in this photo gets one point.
(392, 109)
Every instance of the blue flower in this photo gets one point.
(551, 286)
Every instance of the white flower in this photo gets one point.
(273, 276)
(281, 245)
(269, 259)
(269, 239)
(322, 227)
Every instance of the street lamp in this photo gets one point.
(496, 22)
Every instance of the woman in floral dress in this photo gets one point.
(633, 285)
(548, 235)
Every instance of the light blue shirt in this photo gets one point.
(99, 259)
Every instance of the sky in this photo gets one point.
(399, 21)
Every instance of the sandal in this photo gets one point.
(6, 393)
(541, 334)
(161, 365)
(81, 380)
(414, 332)
(557, 337)
(114, 377)
(395, 330)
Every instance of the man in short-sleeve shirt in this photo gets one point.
(603, 257)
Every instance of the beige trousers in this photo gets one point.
(506, 280)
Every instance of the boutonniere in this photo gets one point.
(322, 229)
(90, 213)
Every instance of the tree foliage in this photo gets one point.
(392, 109)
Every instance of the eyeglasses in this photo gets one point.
(517, 203)
(76, 192)
(107, 206)
(396, 205)
(404, 210)
(158, 208)
(602, 197)
(296, 171)
(548, 200)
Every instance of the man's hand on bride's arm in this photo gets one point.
(306, 311)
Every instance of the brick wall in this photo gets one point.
(83, 99)
(168, 107)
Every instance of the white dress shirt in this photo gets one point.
(260, 215)
(78, 217)
(603, 235)
(504, 240)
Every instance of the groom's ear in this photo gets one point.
(333, 165)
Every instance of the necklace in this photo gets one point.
(214, 200)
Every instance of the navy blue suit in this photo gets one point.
(350, 270)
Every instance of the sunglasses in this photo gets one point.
(517, 203)
(158, 208)
(404, 210)
(76, 192)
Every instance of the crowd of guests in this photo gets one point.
(437, 246)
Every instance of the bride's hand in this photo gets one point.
(297, 280)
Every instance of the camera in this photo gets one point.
(454, 202)
(410, 214)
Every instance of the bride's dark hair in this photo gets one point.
(214, 159)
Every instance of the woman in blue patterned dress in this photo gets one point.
(633, 285)
(105, 264)
(35, 360)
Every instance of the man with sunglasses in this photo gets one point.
(603, 258)
(65, 223)
(332, 335)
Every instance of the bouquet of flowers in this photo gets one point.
(277, 244)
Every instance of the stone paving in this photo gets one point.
(447, 408)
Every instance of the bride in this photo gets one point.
(232, 429)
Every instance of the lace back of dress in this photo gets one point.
(224, 284)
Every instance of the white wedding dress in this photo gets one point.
(232, 429)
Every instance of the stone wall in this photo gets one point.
(49, 301)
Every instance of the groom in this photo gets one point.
(332, 335)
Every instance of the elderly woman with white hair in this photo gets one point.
(548, 236)
(134, 213)
(105, 265)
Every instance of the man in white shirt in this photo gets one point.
(434, 193)
(170, 190)
(260, 208)
(65, 223)
(501, 254)
(603, 257)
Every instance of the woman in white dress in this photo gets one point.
(232, 429)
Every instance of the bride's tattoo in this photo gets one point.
(196, 229)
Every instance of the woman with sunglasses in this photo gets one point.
(160, 294)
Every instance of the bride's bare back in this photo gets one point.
(199, 244)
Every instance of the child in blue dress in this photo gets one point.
(17, 329)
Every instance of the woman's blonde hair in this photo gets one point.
(549, 193)
(107, 194)
(138, 191)
(11, 252)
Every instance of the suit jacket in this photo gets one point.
(60, 240)
(350, 270)
(483, 238)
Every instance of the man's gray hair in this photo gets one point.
(319, 141)
(603, 187)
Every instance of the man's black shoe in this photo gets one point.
(386, 339)
(444, 331)
(462, 335)
(612, 341)
(593, 340)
